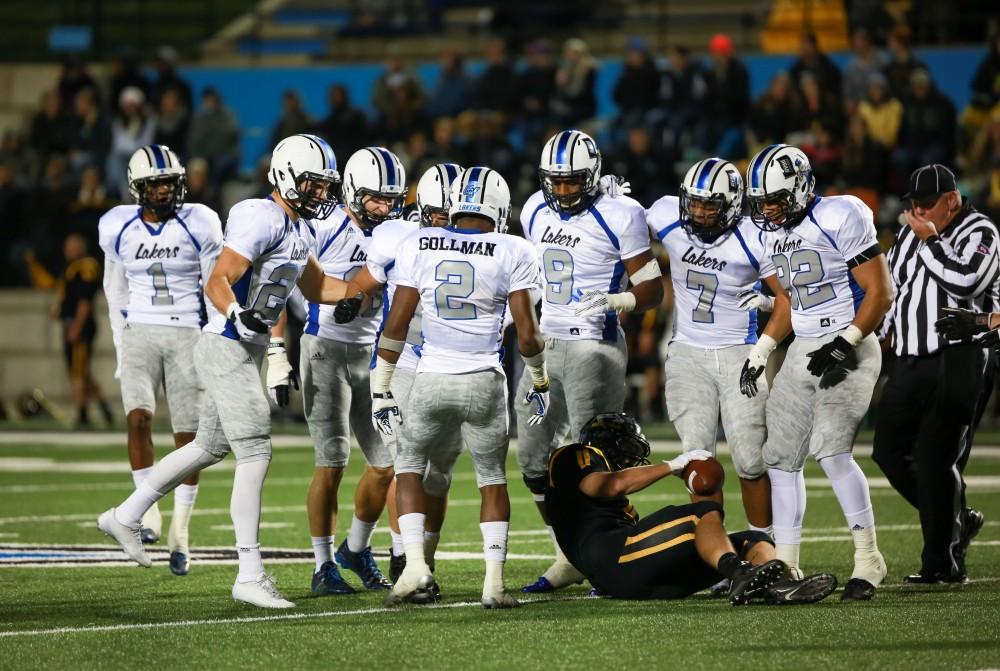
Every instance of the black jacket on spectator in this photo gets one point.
(728, 98)
(771, 120)
(898, 73)
(823, 69)
(986, 83)
(928, 120)
(864, 165)
(638, 88)
(346, 129)
(684, 89)
(496, 89)
(92, 137)
(51, 135)
(536, 86)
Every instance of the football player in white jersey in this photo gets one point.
(586, 244)
(432, 204)
(268, 249)
(715, 257)
(157, 258)
(463, 276)
(825, 254)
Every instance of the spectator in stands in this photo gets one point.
(819, 106)
(51, 128)
(14, 149)
(823, 150)
(199, 188)
(345, 127)
(776, 113)
(444, 148)
(536, 87)
(986, 83)
(488, 144)
(131, 129)
(90, 140)
(867, 61)
(73, 79)
(902, 62)
(167, 77)
(14, 239)
(650, 171)
(575, 99)
(882, 112)
(638, 88)
(727, 103)
(496, 89)
(864, 162)
(172, 122)
(215, 136)
(454, 86)
(682, 93)
(816, 63)
(293, 120)
(50, 201)
(398, 98)
(927, 131)
(90, 204)
(125, 72)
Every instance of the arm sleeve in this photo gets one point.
(965, 267)
(116, 292)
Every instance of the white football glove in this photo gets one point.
(539, 399)
(385, 413)
(596, 303)
(279, 373)
(680, 462)
(614, 186)
(750, 299)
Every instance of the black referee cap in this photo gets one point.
(931, 180)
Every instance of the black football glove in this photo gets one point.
(348, 308)
(248, 323)
(749, 377)
(959, 323)
(828, 356)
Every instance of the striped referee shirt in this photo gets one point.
(960, 267)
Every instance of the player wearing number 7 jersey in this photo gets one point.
(268, 249)
(588, 245)
(825, 254)
(157, 257)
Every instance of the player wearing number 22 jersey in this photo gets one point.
(588, 245)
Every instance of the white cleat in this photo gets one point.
(411, 588)
(127, 537)
(262, 593)
(562, 574)
(499, 599)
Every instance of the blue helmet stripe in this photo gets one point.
(756, 168)
(390, 167)
(706, 170)
(161, 163)
(561, 146)
(451, 170)
(331, 158)
(473, 177)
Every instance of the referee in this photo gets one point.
(944, 256)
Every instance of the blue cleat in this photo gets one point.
(179, 564)
(540, 586)
(327, 580)
(362, 563)
(148, 536)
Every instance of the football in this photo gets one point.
(704, 478)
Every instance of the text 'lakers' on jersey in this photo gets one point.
(277, 248)
(464, 277)
(583, 253)
(341, 248)
(385, 244)
(163, 262)
(813, 261)
(708, 279)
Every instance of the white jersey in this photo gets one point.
(159, 269)
(582, 253)
(707, 279)
(278, 250)
(341, 248)
(385, 244)
(464, 277)
(813, 261)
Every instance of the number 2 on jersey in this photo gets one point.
(799, 274)
(457, 280)
(707, 285)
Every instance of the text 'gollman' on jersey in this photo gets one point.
(581, 253)
(708, 279)
(278, 250)
(163, 262)
(813, 261)
(386, 241)
(464, 277)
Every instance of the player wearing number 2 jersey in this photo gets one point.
(825, 254)
(587, 244)
(715, 256)
(267, 250)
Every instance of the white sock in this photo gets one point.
(173, 469)
(244, 507)
(140, 474)
(431, 540)
(360, 535)
(769, 529)
(411, 528)
(184, 498)
(322, 550)
(851, 487)
(397, 543)
(130, 511)
(788, 507)
(495, 554)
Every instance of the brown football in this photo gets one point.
(704, 478)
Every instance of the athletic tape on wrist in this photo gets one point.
(390, 345)
(650, 271)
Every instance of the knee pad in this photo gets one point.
(536, 484)
(437, 483)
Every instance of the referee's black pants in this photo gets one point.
(922, 437)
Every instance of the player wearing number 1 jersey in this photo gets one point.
(268, 249)
(157, 257)
(588, 246)
(714, 257)
(825, 254)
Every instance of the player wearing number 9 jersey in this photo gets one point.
(824, 253)
(267, 251)
(588, 245)
(157, 257)
(715, 255)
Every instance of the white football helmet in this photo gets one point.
(304, 171)
(779, 175)
(717, 187)
(482, 192)
(570, 154)
(374, 171)
(150, 168)
(434, 191)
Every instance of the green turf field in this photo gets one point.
(122, 616)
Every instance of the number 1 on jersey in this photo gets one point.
(161, 293)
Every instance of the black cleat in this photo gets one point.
(752, 581)
(810, 589)
(396, 565)
(858, 589)
(972, 523)
(923, 577)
